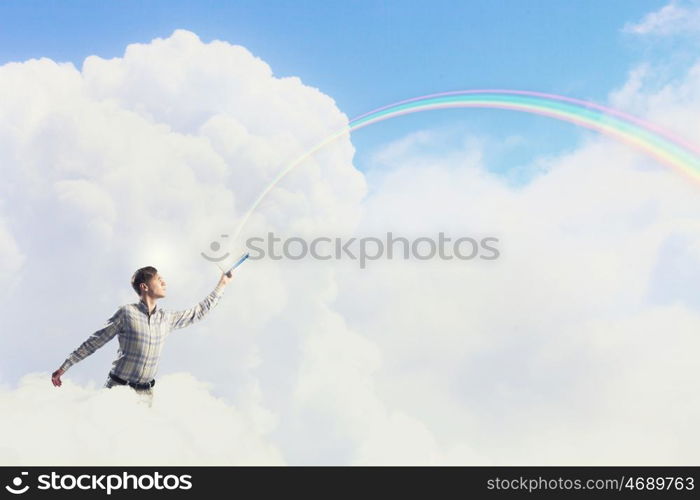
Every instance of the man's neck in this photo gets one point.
(150, 302)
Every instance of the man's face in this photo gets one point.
(156, 287)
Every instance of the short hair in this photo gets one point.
(142, 275)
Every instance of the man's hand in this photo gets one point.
(56, 377)
(225, 278)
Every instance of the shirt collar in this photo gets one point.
(144, 307)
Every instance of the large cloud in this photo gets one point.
(145, 159)
(89, 425)
(564, 350)
(569, 347)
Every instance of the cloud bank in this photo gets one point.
(98, 426)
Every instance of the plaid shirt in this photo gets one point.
(141, 336)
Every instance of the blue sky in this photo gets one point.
(366, 54)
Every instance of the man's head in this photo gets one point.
(146, 281)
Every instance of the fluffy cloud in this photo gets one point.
(551, 354)
(672, 19)
(11, 258)
(145, 159)
(92, 425)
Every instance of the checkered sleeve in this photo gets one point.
(181, 319)
(96, 340)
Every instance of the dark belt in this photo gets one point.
(135, 385)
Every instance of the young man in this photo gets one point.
(141, 328)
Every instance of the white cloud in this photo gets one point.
(672, 19)
(96, 208)
(670, 104)
(11, 258)
(145, 159)
(92, 425)
(544, 356)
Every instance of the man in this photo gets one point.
(141, 328)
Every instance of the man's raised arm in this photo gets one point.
(181, 319)
(94, 342)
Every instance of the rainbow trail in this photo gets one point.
(651, 139)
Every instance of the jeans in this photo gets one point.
(145, 395)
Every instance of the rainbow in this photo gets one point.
(651, 139)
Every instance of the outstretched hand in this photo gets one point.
(225, 278)
(56, 377)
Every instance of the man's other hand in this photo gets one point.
(56, 377)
